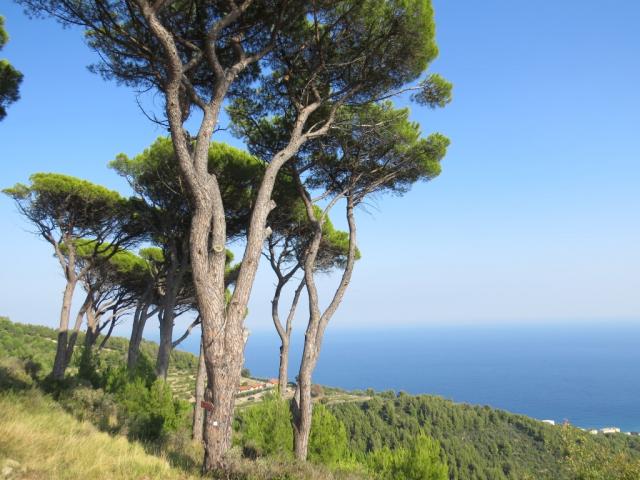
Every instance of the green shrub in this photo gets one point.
(421, 461)
(149, 412)
(328, 441)
(265, 428)
(13, 375)
(89, 366)
(94, 406)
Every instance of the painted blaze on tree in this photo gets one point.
(297, 60)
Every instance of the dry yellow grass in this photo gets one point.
(48, 443)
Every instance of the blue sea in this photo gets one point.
(588, 374)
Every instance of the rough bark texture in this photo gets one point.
(301, 406)
(283, 375)
(198, 411)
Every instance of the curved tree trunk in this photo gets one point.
(60, 362)
(71, 342)
(112, 324)
(285, 339)
(301, 406)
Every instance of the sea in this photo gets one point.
(585, 373)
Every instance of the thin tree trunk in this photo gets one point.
(93, 332)
(174, 278)
(106, 338)
(198, 411)
(71, 342)
(166, 340)
(60, 362)
(285, 338)
(283, 376)
(301, 406)
(140, 318)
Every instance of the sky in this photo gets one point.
(534, 219)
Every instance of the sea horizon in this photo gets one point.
(583, 373)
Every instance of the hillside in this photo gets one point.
(38, 439)
(477, 443)
(38, 344)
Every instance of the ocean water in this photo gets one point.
(588, 374)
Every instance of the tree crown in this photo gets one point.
(57, 202)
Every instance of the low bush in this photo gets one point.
(14, 374)
(265, 428)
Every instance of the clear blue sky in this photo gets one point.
(536, 216)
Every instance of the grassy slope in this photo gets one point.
(49, 443)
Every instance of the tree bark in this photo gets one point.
(140, 318)
(283, 375)
(112, 324)
(198, 411)
(302, 407)
(93, 331)
(285, 335)
(60, 362)
(71, 341)
(166, 340)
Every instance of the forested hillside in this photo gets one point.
(479, 443)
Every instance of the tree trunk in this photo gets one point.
(198, 411)
(166, 340)
(301, 407)
(112, 324)
(283, 378)
(60, 362)
(285, 336)
(223, 379)
(71, 342)
(139, 320)
(93, 332)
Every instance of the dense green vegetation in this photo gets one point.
(479, 443)
(385, 436)
(37, 343)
